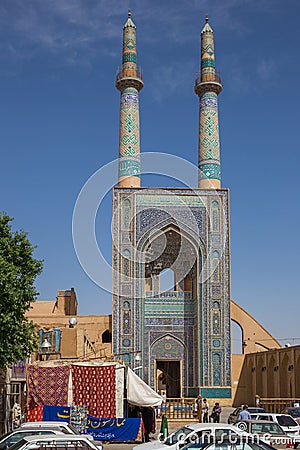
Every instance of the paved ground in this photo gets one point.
(121, 446)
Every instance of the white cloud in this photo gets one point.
(166, 80)
(266, 69)
(57, 25)
(80, 31)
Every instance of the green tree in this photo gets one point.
(18, 270)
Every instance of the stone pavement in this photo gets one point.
(172, 427)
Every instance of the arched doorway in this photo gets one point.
(168, 354)
(169, 378)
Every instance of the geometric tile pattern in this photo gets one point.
(210, 170)
(175, 325)
(129, 141)
(216, 393)
(209, 140)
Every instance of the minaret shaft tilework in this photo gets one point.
(129, 83)
(208, 86)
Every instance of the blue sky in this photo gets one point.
(59, 113)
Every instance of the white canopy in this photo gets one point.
(139, 393)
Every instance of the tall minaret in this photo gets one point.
(129, 83)
(208, 86)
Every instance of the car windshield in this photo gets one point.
(255, 410)
(179, 435)
(71, 427)
(12, 438)
(18, 445)
(55, 444)
(286, 421)
(195, 445)
(293, 412)
(261, 428)
(240, 445)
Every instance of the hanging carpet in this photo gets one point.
(95, 387)
(48, 385)
(34, 413)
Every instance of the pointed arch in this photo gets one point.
(165, 225)
(259, 376)
(284, 376)
(271, 372)
(168, 336)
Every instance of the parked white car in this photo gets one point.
(240, 444)
(64, 426)
(57, 442)
(190, 433)
(287, 423)
(9, 439)
(269, 432)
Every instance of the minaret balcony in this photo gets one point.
(210, 82)
(175, 295)
(129, 78)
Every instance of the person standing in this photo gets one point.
(199, 408)
(148, 419)
(244, 414)
(205, 409)
(216, 412)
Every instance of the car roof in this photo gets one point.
(199, 426)
(252, 406)
(257, 408)
(45, 422)
(257, 421)
(271, 414)
(57, 437)
(49, 427)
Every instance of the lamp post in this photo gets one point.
(45, 348)
(137, 360)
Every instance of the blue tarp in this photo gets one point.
(101, 429)
(54, 413)
(113, 429)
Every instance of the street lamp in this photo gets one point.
(72, 322)
(46, 346)
(137, 360)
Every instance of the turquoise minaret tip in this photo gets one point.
(206, 27)
(208, 86)
(129, 22)
(129, 83)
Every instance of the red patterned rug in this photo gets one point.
(95, 387)
(34, 413)
(48, 385)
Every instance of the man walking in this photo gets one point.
(244, 414)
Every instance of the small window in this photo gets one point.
(106, 337)
(167, 280)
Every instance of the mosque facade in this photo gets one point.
(178, 337)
